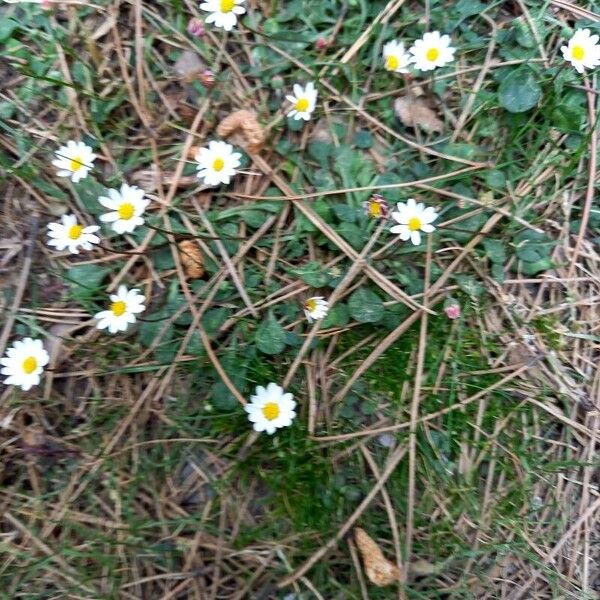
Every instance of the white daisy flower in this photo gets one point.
(126, 206)
(74, 160)
(413, 218)
(582, 51)
(315, 308)
(124, 305)
(395, 57)
(218, 163)
(431, 51)
(69, 234)
(270, 409)
(223, 13)
(303, 101)
(24, 363)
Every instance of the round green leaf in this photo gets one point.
(270, 336)
(519, 91)
(365, 306)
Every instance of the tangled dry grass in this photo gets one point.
(467, 449)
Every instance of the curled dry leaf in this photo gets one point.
(414, 112)
(246, 122)
(191, 259)
(378, 568)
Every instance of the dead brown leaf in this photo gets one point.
(379, 569)
(191, 259)
(246, 122)
(414, 112)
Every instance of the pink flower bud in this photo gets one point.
(196, 27)
(321, 44)
(452, 311)
(46, 4)
(207, 78)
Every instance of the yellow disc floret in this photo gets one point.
(302, 104)
(392, 63)
(227, 5)
(270, 411)
(29, 365)
(218, 164)
(76, 163)
(414, 224)
(118, 308)
(578, 53)
(126, 211)
(432, 54)
(75, 231)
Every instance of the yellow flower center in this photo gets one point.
(392, 63)
(218, 164)
(375, 209)
(227, 5)
(414, 224)
(310, 304)
(302, 104)
(29, 365)
(118, 308)
(270, 411)
(75, 231)
(76, 163)
(578, 52)
(126, 211)
(432, 54)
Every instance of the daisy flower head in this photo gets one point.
(68, 233)
(74, 160)
(124, 305)
(413, 218)
(431, 51)
(376, 207)
(315, 308)
(24, 362)
(395, 57)
(218, 163)
(583, 50)
(126, 208)
(303, 101)
(270, 408)
(223, 13)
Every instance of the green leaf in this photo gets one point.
(320, 151)
(85, 280)
(7, 26)
(468, 8)
(222, 398)
(270, 336)
(533, 268)
(363, 139)
(365, 306)
(495, 250)
(469, 285)
(336, 317)
(495, 178)
(520, 91)
(312, 274)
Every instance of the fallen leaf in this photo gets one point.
(246, 122)
(379, 569)
(191, 259)
(414, 112)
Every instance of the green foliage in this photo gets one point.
(365, 306)
(519, 91)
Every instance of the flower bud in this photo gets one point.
(196, 28)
